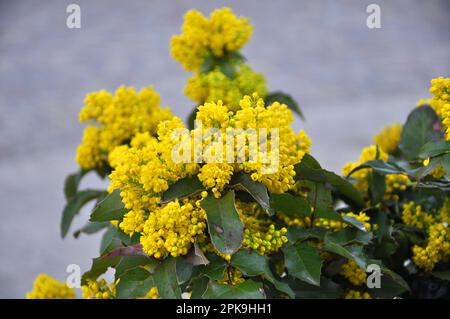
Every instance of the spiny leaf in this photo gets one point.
(224, 224)
(303, 262)
(134, 283)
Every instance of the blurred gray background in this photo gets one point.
(349, 80)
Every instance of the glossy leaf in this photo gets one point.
(224, 224)
(182, 188)
(110, 208)
(303, 262)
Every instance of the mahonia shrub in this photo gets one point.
(270, 223)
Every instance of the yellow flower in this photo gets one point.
(222, 33)
(215, 176)
(214, 86)
(98, 289)
(46, 287)
(414, 215)
(117, 118)
(389, 138)
(440, 89)
(353, 273)
(173, 228)
(260, 233)
(355, 294)
(436, 250)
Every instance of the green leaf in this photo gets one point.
(110, 208)
(310, 169)
(284, 98)
(419, 129)
(216, 267)
(182, 188)
(295, 234)
(292, 206)
(349, 236)
(199, 287)
(350, 252)
(90, 228)
(377, 187)
(191, 118)
(224, 224)
(432, 149)
(354, 222)
(251, 264)
(303, 262)
(99, 267)
(379, 166)
(444, 275)
(446, 163)
(392, 284)
(249, 289)
(134, 283)
(350, 194)
(165, 278)
(320, 199)
(74, 206)
(132, 262)
(243, 182)
(184, 270)
(327, 290)
(109, 241)
(72, 182)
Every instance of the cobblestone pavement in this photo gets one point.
(349, 80)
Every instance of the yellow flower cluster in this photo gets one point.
(252, 116)
(437, 248)
(355, 294)
(389, 138)
(260, 233)
(173, 228)
(255, 115)
(143, 171)
(214, 86)
(215, 176)
(117, 118)
(46, 287)
(98, 289)
(394, 182)
(222, 33)
(440, 102)
(353, 273)
(414, 215)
